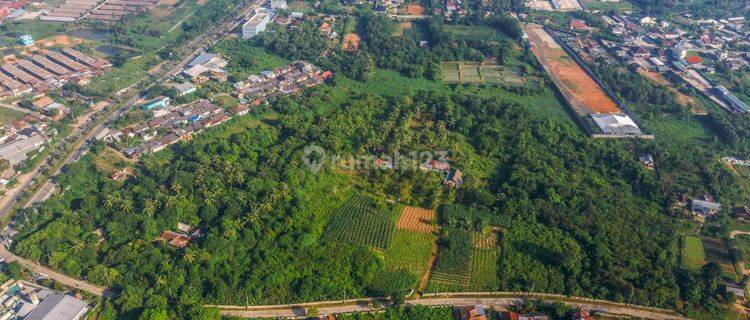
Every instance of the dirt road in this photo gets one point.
(325, 308)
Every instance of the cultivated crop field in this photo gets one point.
(417, 220)
(410, 251)
(452, 269)
(484, 270)
(581, 91)
(362, 220)
(481, 73)
(716, 251)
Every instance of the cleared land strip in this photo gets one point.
(497, 300)
(581, 91)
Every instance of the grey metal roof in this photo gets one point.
(58, 307)
(201, 59)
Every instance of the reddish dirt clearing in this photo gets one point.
(583, 93)
(417, 220)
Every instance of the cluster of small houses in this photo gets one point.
(705, 206)
(173, 124)
(21, 138)
(682, 56)
(182, 237)
(47, 69)
(280, 81)
(453, 178)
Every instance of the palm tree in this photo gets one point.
(110, 201)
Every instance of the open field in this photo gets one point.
(607, 5)
(410, 251)
(9, 115)
(361, 221)
(487, 73)
(417, 220)
(462, 32)
(581, 91)
(693, 256)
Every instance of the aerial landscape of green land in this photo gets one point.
(240, 159)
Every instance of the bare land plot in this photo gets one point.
(581, 91)
(417, 220)
(683, 99)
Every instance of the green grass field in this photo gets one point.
(461, 32)
(362, 220)
(693, 255)
(118, 78)
(622, 5)
(245, 59)
(9, 115)
(410, 251)
(388, 83)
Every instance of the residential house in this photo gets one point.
(454, 179)
(240, 110)
(510, 315)
(470, 313)
(742, 213)
(647, 160)
(435, 165)
(704, 207)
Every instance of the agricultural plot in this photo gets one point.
(484, 73)
(484, 270)
(417, 220)
(742, 242)
(361, 221)
(693, 256)
(452, 269)
(485, 239)
(717, 251)
(410, 251)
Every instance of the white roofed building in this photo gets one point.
(616, 124)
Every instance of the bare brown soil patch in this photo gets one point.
(417, 220)
(351, 42)
(581, 91)
(414, 10)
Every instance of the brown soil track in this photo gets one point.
(417, 220)
(581, 91)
